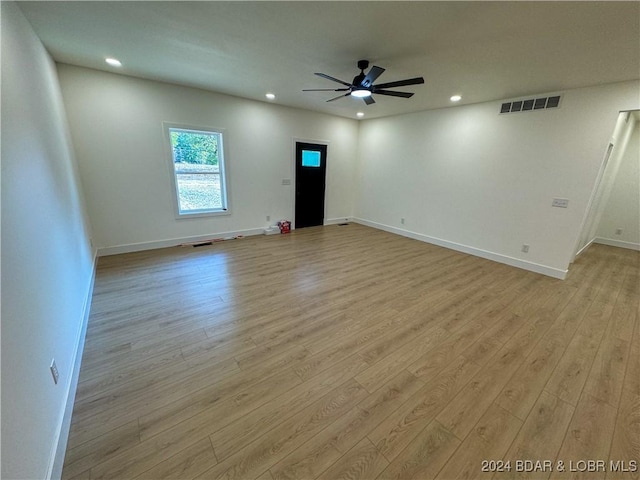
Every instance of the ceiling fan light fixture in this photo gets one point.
(361, 93)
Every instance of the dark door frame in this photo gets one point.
(294, 143)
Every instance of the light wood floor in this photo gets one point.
(347, 352)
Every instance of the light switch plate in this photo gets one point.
(560, 202)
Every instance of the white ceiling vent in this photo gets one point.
(530, 104)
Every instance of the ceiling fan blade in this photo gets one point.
(339, 96)
(401, 83)
(323, 75)
(368, 100)
(325, 90)
(394, 94)
(371, 77)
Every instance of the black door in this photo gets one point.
(311, 165)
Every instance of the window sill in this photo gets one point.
(216, 213)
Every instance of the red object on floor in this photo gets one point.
(285, 226)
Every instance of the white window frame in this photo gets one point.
(222, 166)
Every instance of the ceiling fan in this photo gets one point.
(362, 85)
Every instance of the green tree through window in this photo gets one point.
(197, 160)
(194, 148)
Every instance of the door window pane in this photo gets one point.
(310, 158)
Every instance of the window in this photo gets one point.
(310, 158)
(197, 161)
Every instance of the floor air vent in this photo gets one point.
(531, 104)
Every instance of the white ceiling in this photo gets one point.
(481, 50)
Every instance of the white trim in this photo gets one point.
(496, 257)
(172, 242)
(587, 220)
(336, 221)
(61, 438)
(617, 243)
(583, 249)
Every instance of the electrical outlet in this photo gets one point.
(286, 181)
(54, 371)
(402, 221)
(560, 202)
(618, 231)
(268, 218)
(525, 248)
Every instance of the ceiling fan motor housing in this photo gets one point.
(357, 80)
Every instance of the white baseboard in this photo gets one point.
(496, 257)
(617, 243)
(172, 242)
(584, 249)
(60, 447)
(336, 221)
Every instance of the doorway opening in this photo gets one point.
(613, 216)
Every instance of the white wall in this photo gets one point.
(124, 160)
(622, 207)
(604, 182)
(47, 262)
(471, 179)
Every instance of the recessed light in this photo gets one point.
(113, 62)
(455, 98)
(360, 114)
(270, 96)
